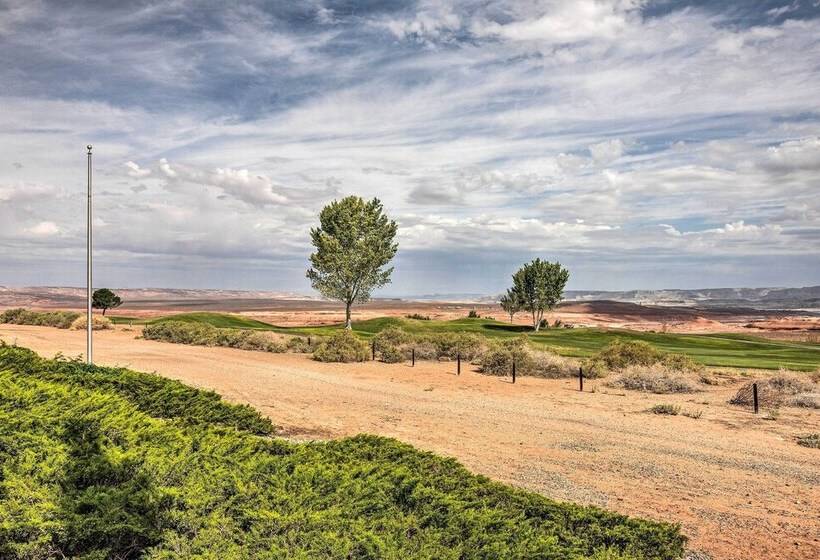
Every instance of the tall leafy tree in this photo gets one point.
(354, 244)
(105, 299)
(510, 303)
(539, 287)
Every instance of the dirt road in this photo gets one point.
(738, 484)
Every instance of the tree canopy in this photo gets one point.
(105, 299)
(538, 286)
(510, 303)
(354, 244)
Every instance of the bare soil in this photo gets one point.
(737, 483)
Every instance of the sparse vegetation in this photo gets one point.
(621, 354)
(668, 409)
(809, 440)
(473, 314)
(98, 323)
(109, 463)
(342, 346)
(202, 334)
(538, 287)
(694, 414)
(778, 390)
(58, 319)
(418, 317)
(652, 379)
(498, 359)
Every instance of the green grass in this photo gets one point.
(220, 320)
(720, 350)
(110, 463)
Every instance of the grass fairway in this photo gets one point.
(720, 350)
(220, 320)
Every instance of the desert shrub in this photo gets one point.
(809, 440)
(98, 323)
(392, 336)
(104, 463)
(202, 334)
(652, 379)
(393, 354)
(774, 391)
(425, 350)
(449, 345)
(805, 400)
(300, 344)
(58, 319)
(680, 362)
(418, 317)
(342, 346)
(498, 359)
(473, 314)
(694, 414)
(620, 354)
(669, 409)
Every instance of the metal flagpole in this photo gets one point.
(89, 321)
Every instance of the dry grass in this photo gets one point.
(98, 323)
(782, 389)
(655, 378)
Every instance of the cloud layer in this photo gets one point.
(645, 144)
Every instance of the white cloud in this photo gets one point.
(134, 170)
(44, 229)
(607, 151)
(166, 168)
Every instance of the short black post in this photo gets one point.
(374, 350)
(513, 372)
(458, 362)
(413, 356)
(581, 379)
(754, 395)
(308, 342)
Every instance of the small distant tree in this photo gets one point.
(105, 299)
(539, 287)
(509, 303)
(354, 243)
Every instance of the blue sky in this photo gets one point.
(644, 144)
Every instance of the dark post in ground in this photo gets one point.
(581, 379)
(308, 342)
(754, 395)
(413, 356)
(374, 350)
(458, 363)
(513, 371)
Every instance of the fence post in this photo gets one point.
(308, 342)
(458, 362)
(374, 350)
(581, 379)
(513, 372)
(754, 395)
(413, 354)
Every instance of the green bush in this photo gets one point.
(203, 334)
(95, 465)
(418, 317)
(342, 346)
(450, 345)
(59, 319)
(393, 354)
(621, 354)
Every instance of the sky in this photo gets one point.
(643, 144)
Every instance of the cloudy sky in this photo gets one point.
(644, 144)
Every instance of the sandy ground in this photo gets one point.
(738, 484)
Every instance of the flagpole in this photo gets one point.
(89, 322)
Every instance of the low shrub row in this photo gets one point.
(59, 319)
(621, 354)
(783, 389)
(202, 334)
(105, 463)
(499, 357)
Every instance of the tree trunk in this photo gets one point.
(348, 322)
(535, 322)
(104, 310)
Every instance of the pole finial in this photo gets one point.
(89, 148)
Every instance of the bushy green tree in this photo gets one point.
(539, 286)
(105, 299)
(354, 243)
(509, 302)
